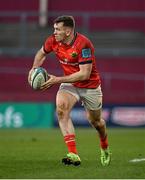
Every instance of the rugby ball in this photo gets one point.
(38, 77)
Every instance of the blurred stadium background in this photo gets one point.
(117, 29)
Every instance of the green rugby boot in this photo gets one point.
(105, 157)
(71, 158)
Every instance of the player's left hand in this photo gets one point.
(50, 82)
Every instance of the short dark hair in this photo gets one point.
(67, 20)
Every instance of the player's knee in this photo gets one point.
(93, 118)
(96, 121)
(98, 124)
(61, 110)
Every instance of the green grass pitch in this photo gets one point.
(37, 153)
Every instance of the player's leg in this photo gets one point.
(64, 103)
(92, 100)
(95, 119)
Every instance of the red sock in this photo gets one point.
(104, 142)
(70, 142)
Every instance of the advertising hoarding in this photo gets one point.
(126, 116)
(26, 115)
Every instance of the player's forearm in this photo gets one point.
(39, 59)
(78, 76)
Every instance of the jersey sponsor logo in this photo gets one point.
(86, 53)
(65, 60)
(68, 63)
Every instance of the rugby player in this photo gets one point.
(80, 82)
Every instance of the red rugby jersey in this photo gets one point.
(79, 52)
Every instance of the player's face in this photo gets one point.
(60, 32)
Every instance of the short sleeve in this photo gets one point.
(47, 46)
(86, 54)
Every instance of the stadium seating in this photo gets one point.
(95, 6)
(122, 76)
(122, 80)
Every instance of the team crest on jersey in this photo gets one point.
(74, 54)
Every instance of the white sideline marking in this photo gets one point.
(137, 160)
